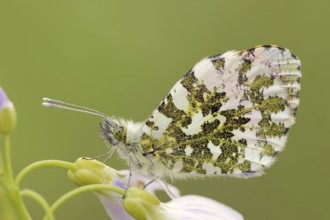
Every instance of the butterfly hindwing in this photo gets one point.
(229, 115)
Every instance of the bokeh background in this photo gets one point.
(122, 57)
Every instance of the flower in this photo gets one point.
(7, 114)
(88, 171)
(11, 202)
(140, 203)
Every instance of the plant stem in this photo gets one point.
(42, 164)
(8, 166)
(10, 196)
(2, 167)
(19, 204)
(82, 189)
(39, 199)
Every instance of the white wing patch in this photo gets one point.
(180, 100)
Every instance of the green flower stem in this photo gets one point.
(14, 207)
(42, 164)
(1, 165)
(39, 199)
(82, 189)
(8, 157)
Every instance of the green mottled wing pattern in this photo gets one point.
(229, 115)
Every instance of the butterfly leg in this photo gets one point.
(130, 175)
(151, 181)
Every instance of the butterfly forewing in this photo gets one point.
(229, 115)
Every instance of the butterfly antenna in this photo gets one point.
(53, 103)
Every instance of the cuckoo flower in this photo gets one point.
(11, 203)
(140, 203)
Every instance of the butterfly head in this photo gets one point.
(113, 132)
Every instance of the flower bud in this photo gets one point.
(89, 171)
(142, 205)
(7, 114)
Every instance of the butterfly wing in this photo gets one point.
(229, 115)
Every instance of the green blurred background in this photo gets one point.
(122, 57)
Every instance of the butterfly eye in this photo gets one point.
(118, 134)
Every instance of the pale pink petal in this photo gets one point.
(194, 207)
(3, 97)
(113, 204)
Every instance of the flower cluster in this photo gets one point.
(140, 203)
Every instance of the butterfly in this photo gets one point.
(228, 116)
